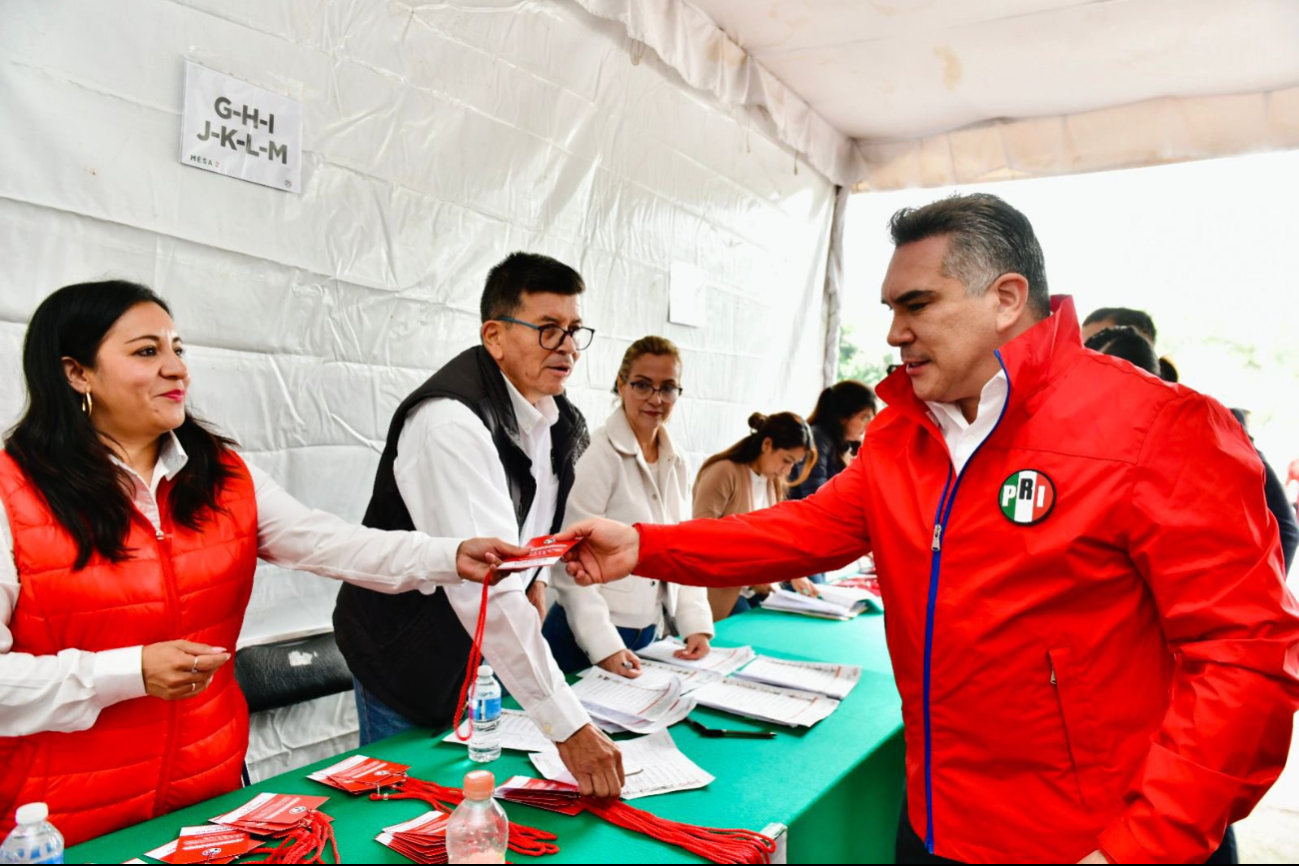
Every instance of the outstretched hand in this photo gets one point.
(608, 550)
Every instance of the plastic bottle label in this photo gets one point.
(487, 709)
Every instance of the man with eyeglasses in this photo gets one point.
(489, 440)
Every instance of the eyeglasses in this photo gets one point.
(643, 390)
(551, 337)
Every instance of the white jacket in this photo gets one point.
(614, 481)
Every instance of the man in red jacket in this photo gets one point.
(1087, 617)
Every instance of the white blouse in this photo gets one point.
(67, 691)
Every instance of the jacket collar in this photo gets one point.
(623, 438)
(1032, 361)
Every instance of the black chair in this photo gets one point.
(279, 674)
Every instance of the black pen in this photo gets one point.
(714, 733)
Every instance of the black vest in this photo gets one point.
(410, 649)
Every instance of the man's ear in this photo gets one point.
(76, 374)
(1010, 295)
(493, 337)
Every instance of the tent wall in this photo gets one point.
(437, 138)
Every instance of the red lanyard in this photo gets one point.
(305, 843)
(471, 672)
(713, 844)
(523, 839)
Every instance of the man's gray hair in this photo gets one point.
(986, 239)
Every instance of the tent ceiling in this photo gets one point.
(904, 69)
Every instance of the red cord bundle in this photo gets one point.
(523, 839)
(713, 844)
(471, 672)
(305, 843)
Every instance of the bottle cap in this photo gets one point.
(32, 813)
(479, 784)
(484, 671)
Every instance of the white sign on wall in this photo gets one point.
(234, 128)
(687, 303)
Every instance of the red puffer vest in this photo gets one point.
(146, 756)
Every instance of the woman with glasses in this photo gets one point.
(632, 473)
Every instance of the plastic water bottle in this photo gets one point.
(34, 839)
(478, 831)
(485, 708)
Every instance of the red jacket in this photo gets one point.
(143, 757)
(1089, 625)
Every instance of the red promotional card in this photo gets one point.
(360, 773)
(421, 839)
(195, 847)
(544, 551)
(541, 793)
(268, 814)
(206, 844)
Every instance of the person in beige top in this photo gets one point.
(751, 475)
(632, 473)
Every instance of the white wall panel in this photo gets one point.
(437, 139)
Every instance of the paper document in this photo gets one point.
(824, 678)
(781, 706)
(836, 602)
(720, 660)
(664, 768)
(518, 732)
(657, 674)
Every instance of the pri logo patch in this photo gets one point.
(1027, 497)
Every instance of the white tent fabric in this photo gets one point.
(438, 137)
(895, 93)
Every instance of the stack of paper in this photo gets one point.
(836, 602)
(781, 706)
(619, 704)
(658, 674)
(824, 678)
(517, 732)
(359, 774)
(720, 660)
(422, 839)
(272, 815)
(663, 767)
(542, 793)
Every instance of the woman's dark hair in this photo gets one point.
(784, 429)
(837, 404)
(1128, 343)
(61, 452)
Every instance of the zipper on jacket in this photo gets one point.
(942, 520)
(173, 724)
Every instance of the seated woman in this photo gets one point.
(130, 535)
(838, 426)
(632, 473)
(750, 475)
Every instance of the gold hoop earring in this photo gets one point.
(87, 405)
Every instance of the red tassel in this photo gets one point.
(713, 844)
(305, 843)
(526, 840)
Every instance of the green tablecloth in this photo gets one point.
(837, 786)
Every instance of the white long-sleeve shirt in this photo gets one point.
(964, 437)
(67, 691)
(452, 481)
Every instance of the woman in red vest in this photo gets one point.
(128, 542)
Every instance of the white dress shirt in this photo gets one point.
(67, 691)
(761, 491)
(452, 481)
(962, 436)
